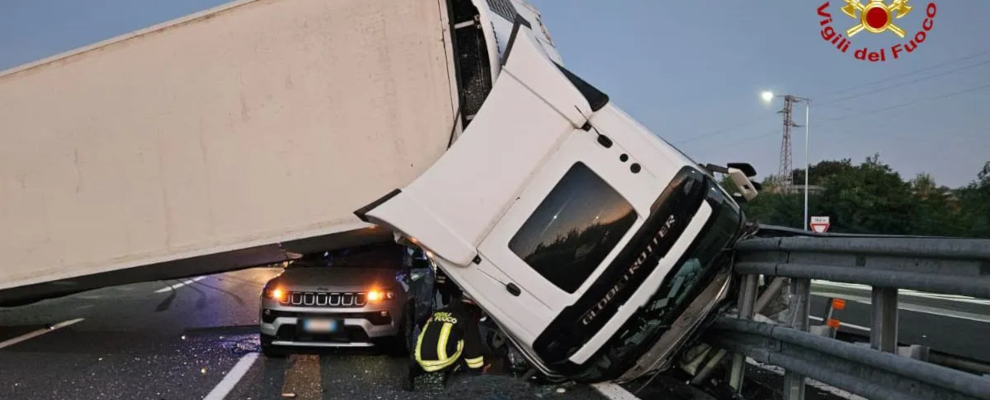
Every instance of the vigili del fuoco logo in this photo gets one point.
(880, 18)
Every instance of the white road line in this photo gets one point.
(233, 376)
(613, 391)
(39, 332)
(908, 292)
(942, 312)
(854, 326)
(180, 284)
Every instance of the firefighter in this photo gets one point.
(449, 343)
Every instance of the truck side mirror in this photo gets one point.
(745, 168)
(747, 190)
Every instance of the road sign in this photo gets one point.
(819, 224)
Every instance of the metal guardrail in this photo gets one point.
(887, 263)
(872, 374)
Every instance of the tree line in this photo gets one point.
(872, 198)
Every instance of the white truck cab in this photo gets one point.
(596, 246)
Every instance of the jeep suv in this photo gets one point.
(357, 297)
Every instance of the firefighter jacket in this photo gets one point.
(448, 335)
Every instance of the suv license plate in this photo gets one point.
(320, 325)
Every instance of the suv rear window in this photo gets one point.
(575, 227)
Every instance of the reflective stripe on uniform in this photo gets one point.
(436, 365)
(444, 360)
(442, 343)
(475, 362)
(431, 366)
(419, 341)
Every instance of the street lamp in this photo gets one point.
(768, 96)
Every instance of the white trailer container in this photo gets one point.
(200, 144)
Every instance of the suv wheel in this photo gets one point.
(409, 329)
(401, 344)
(268, 349)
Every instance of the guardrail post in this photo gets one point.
(747, 300)
(829, 309)
(768, 294)
(883, 332)
(801, 302)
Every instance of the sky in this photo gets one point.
(692, 72)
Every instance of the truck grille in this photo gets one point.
(323, 299)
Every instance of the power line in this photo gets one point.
(878, 110)
(743, 140)
(906, 74)
(899, 85)
(843, 132)
(762, 117)
(901, 105)
(941, 133)
(888, 79)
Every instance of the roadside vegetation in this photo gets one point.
(870, 197)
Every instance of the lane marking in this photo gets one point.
(39, 332)
(180, 284)
(908, 292)
(613, 391)
(854, 326)
(903, 306)
(233, 376)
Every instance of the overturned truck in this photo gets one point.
(597, 247)
(232, 138)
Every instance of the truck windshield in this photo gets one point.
(707, 255)
(574, 228)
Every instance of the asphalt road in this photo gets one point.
(955, 325)
(195, 339)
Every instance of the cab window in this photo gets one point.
(574, 228)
